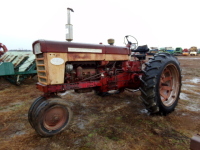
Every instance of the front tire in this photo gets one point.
(161, 84)
(32, 109)
(51, 117)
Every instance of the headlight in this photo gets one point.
(37, 48)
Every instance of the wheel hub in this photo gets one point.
(55, 118)
(168, 85)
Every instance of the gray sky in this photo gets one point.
(153, 22)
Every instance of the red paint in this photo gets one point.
(4, 49)
(101, 75)
(62, 47)
(109, 81)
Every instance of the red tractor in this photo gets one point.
(63, 66)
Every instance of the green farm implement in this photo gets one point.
(17, 65)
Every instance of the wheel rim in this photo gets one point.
(55, 117)
(169, 85)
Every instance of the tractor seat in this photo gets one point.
(142, 52)
(143, 48)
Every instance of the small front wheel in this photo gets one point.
(32, 109)
(51, 117)
(161, 84)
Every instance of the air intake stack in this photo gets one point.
(69, 27)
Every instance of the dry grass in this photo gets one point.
(116, 122)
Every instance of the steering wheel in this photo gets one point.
(133, 46)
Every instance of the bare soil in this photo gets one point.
(116, 122)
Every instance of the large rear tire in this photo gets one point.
(161, 84)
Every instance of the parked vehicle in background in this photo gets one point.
(152, 52)
(178, 51)
(151, 48)
(162, 49)
(193, 51)
(198, 51)
(169, 50)
(185, 52)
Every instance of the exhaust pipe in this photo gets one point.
(69, 27)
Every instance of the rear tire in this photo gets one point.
(161, 84)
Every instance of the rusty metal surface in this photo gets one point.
(85, 57)
(195, 142)
(18, 60)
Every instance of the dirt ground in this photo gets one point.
(116, 122)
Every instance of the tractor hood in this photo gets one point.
(44, 46)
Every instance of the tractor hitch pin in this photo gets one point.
(69, 26)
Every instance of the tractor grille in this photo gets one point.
(41, 69)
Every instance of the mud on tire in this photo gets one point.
(161, 84)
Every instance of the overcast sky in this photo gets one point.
(159, 23)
